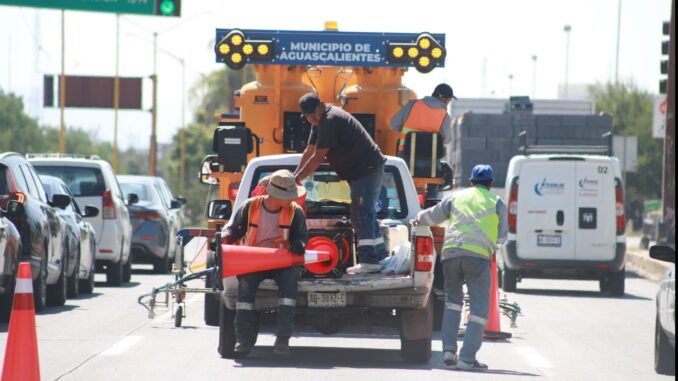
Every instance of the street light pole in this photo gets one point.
(182, 133)
(154, 110)
(510, 86)
(534, 76)
(567, 29)
(116, 93)
(616, 62)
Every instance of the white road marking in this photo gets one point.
(121, 346)
(533, 357)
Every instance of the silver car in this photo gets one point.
(665, 329)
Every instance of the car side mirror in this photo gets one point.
(207, 167)
(132, 199)
(91, 211)
(15, 208)
(219, 209)
(175, 204)
(182, 200)
(61, 201)
(664, 253)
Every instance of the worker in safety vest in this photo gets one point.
(477, 223)
(273, 221)
(425, 115)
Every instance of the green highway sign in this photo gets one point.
(137, 7)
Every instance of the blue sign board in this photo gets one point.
(331, 48)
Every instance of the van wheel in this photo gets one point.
(664, 352)
(162, 265)
(114, 273)
(616, 282)
(127, 271)
(56, 293)
(509, 280)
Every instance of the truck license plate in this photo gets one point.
(549, 240)
(326, 299)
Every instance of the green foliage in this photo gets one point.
(19, 132)
(631, 109)
(214, 92)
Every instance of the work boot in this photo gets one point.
(450, 359)
(243, 347)
(282, 345)
(473, 365)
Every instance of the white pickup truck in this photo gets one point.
(334, 300)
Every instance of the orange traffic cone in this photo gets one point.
(493, 328)
(21, 353)
(236, 260)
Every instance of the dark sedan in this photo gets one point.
(10, 249)
(79, 239)
(151, 223)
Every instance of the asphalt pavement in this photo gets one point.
(568, 331)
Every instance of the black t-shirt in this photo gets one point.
(352, 152)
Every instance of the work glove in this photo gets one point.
(297, 248)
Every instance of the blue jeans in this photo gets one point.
(286, 279)
(475, 272)
(364, 194)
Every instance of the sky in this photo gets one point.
(487, 42)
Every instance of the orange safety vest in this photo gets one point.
(284, 223)
(422, 118)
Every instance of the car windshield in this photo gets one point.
(327, 194)
(82, 181)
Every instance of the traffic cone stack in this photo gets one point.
(237, 260)
(21, 352)
(493, 328)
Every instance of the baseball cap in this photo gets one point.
(443, 90)
(482, 172)
(308, 102)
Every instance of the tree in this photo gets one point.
(631, 110)
(19, 132)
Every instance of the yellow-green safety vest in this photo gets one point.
(474, 222)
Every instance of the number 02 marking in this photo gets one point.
(602, 169)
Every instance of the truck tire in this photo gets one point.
(127, 271)
(616, 282)
(417, 350)
(438, 313)
(227, 333)
(509, 280)
(114, 273)
(664, 353)
(212, 301)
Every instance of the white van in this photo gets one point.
(566, 220)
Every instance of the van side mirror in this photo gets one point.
(208, 165)
(91, 211)
(664, 253)
(60, 201)
(182, 200)
(219, 209)
(132, 199)
(175, 204)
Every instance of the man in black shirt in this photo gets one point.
(353, 155)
